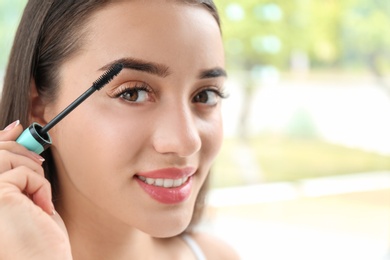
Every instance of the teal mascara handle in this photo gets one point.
(32, 140)
(36, 137)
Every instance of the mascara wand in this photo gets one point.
(36, 137)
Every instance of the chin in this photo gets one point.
(168, 224)
(165, 231)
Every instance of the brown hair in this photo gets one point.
(49, 33)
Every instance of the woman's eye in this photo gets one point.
(135, 95)
(132, 93)
(209, 97)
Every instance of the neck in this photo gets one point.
(94, 234)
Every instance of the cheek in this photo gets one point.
(212, 138)
(97, 143)
(104, 134)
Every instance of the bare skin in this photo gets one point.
(140, 122)
(28, 226)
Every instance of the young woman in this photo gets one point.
(128, 168)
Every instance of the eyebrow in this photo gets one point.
(159, 69)
(213, 73)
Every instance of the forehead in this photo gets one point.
(162, 31)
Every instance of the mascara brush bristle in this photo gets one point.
(107, 76)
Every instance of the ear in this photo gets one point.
(37, 106)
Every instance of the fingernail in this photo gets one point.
(12, 125)
(37, 156)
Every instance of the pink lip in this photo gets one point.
(173, 195)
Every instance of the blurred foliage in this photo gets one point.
(283, 158)
(329, 32)
(271, 32)
(266, 38)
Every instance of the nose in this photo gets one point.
(177, 132)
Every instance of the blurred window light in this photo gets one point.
(269, 44)
(269, 12)
(235, 12)
(266, 74)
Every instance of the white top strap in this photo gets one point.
(194, 247)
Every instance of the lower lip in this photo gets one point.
(168, 195)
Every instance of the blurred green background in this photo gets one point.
(286, 59)
(304, 171)
(330, 52)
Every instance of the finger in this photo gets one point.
(16, 148)
(57, 218)
(24, 180)
(11, 132)
(9, 161)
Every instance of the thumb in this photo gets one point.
(11, 132)
(57, 218)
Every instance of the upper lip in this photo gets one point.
(169, 173)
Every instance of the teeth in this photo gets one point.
(166, 183)
(177, 182)
(149, 181)
(159, 182)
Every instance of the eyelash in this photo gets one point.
(220, 93)
(141, 86)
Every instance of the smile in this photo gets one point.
(166, 183)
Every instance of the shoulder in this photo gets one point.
(214, 247)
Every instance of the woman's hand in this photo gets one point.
(29, 226)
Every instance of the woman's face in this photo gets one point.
(157, 124)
